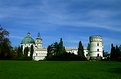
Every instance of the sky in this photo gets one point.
(72, 20)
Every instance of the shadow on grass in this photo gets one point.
(115, 70)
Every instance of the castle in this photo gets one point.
(94, 49)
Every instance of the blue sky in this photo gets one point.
(73, 20)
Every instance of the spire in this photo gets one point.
(28, 34)
(38, 34)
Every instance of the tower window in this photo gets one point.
(97, 44)
(98, 50)
(98, 55)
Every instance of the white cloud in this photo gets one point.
(58, 14)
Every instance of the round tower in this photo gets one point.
(95, 46)
(38, 41)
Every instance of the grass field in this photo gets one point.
(60, 70)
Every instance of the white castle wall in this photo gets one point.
(40, 54)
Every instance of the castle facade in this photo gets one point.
(94, 49)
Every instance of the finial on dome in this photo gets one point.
(28, 34)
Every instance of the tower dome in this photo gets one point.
(28, 39)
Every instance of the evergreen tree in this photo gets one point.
(31, 52)
(61, 48)
(115, 53)
(26, 50)
(81, 51)
(49, 54)
(117, 50)
(120, 50)
(112, 55)
(19, 52)
(105, 54)
(55, 49)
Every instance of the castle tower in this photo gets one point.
(95, 46)
(38, 41)
(27, 41)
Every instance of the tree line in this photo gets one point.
(57, 52)
(115, 52)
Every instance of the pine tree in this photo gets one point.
(81, 50)
(26, 50)
(19, 52)
(115, 52)
(120, 50)
(55, 49)
(31, 52)
(61, 48)
(112, 55)
(49, 54)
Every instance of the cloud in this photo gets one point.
(58, 13)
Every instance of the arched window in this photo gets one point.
(98, 50)
(98, 55)
(97, 44)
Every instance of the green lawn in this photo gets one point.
(60, 70)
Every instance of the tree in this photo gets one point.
(14, 53)
(3, 34)
(56, 49)
(115, 53)
(61, 48)
(52, 50)
(26, 50)
(81, 51)
(105, 54)
(20, 52)
(117, 50)
(31, 52)
(120, 50)
(112, 55)
(5, 47)
(49, 54)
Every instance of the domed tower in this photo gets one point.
(38, 41)
(95, 46)
(28, 41)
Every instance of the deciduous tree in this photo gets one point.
(5, 46)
